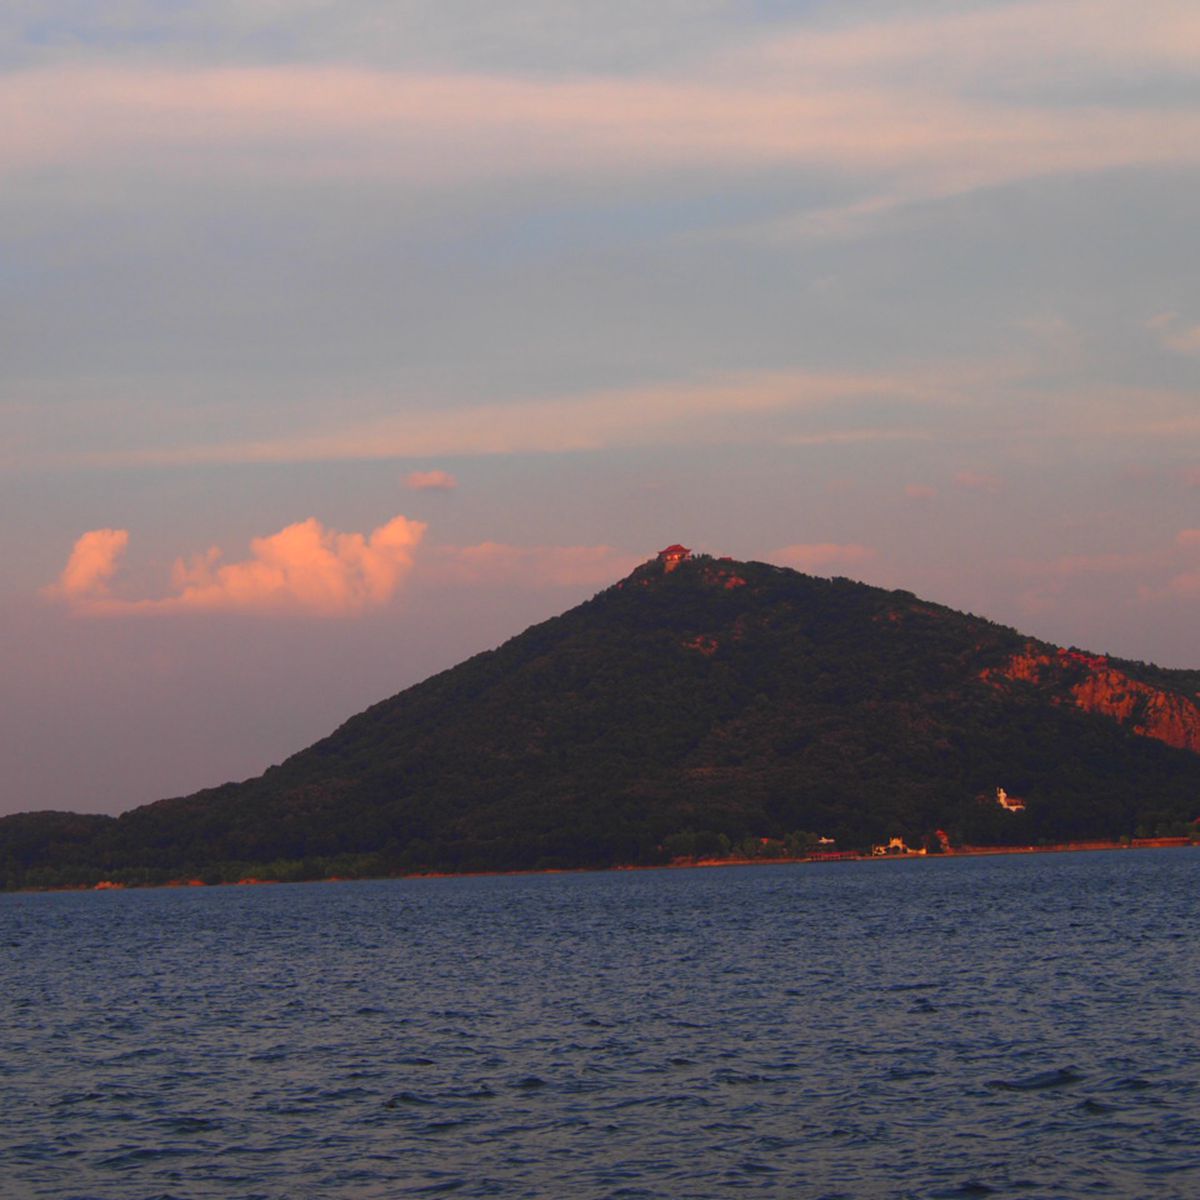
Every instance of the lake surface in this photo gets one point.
(1024, 1026)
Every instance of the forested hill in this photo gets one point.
(692, 705)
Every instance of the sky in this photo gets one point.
(340, 341)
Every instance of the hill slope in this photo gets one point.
(707, 698)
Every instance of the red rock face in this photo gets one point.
(1165, 716)
(1026, 667)
(720, 576)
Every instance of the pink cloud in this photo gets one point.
(977, 481)
(718, 408)
(531, 566)
(431, 481)
(920, 491)
(820, 556)
(1150, 576)
(1185, 584)
(1175, 334)
(302, 568)
(1055, 577)
(906, 102)
(1100, 564)
(92, 564)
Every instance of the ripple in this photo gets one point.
(1060, 1077)
(778, 1031)
(529, 1083)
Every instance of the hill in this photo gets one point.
(697, 704)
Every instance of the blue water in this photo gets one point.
(1021, 1026)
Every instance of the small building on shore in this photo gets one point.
(895, 846)
(1009, 803)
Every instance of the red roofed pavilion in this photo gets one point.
(672, 556)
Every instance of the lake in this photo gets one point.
(1020, 1026)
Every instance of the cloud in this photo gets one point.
(92, 564)
(337, 122)
(920, 491)
(1017, 43)
(1126, 412)
(529, 566)
(1071, 565)
(307, 568)
(1175, 334)
(303, 568)
(431, 481)
(821, 556)
(915, 107)
(935, 401)
(1186, 584)
(1148, 576)
(715, 410)
(977, 481)
(1054, 580)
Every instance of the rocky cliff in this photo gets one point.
(1092, 684)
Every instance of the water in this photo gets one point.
(1021, 1026)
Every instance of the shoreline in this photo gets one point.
(834, 856)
